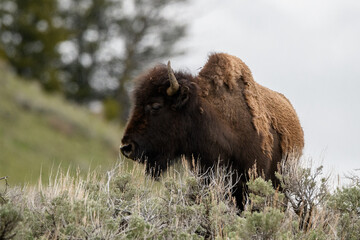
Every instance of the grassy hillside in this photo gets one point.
(39, 132)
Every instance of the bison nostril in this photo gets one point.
(127, 149)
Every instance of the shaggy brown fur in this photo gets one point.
(220, 114)
(221, 76)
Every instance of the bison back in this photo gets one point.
(227, 84)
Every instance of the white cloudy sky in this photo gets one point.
(307, 49)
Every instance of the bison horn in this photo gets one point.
(174, 85)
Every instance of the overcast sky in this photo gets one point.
(309, 50)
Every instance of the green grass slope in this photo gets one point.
(39, 132)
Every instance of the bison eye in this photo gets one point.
(156, 106)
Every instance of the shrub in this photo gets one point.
(127, 204)
(9, 221)
(346, 202)
(305, 189)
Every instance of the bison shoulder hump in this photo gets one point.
(223, 70)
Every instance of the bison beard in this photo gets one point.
(220, 114)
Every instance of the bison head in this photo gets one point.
(158, 128)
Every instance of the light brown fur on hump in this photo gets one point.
(219, 79)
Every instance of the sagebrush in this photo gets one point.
(127, 204)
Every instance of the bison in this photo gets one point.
(220, 115)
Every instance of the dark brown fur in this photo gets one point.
(220, 114)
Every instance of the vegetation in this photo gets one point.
(88, 50)
(75, 201)
(66, 47)
(39, 132)
(129, 205)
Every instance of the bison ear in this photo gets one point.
(182, 98)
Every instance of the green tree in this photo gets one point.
(29, 35)
(89, 24)
(113, 41)
(149, 35)
(90, 50)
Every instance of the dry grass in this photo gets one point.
(184, 204)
